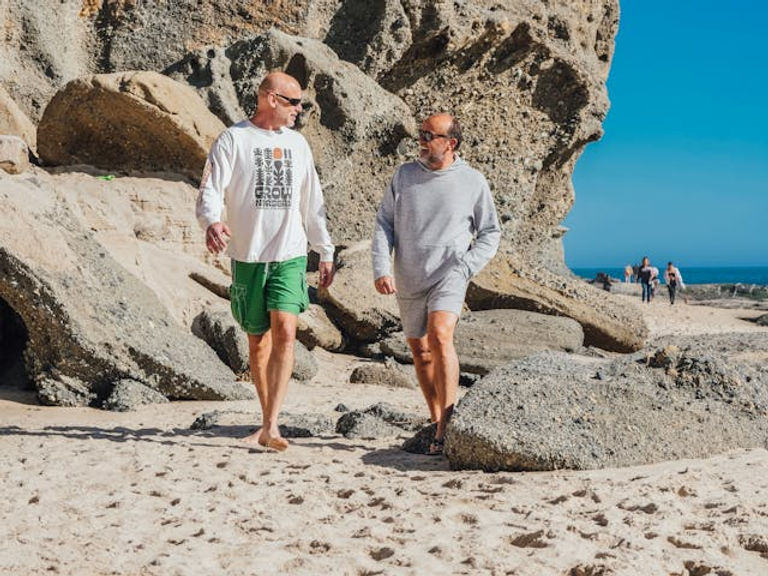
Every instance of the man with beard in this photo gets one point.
(438, 217)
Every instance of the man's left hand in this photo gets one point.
(326, 274)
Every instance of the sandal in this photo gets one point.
(436, 448)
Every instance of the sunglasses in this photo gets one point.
(291, 101)
(428, 136)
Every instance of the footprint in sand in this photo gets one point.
(380, 554)
(530, 540)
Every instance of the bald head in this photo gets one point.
(444, 123)
(278, 82)
(279, 101)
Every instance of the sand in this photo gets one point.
(87, 492)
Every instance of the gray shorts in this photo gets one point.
(447, 295)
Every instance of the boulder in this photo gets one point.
(305, 425)
(419, 443)
(57, 389)
(14, 122)
(545, 63)
(552, 411)
(352, 302)
(221, 332)
(316, 329)
(147, 225)
(206, 420)
(305, 365)
(14, 154)
(378, 421)
(292, 425)
(218, 329)
(128, 121)
(609, 322)
(90, 322)
(762, 320)
(389, 373)
(490, 338)
(128, 395)
(44, 46)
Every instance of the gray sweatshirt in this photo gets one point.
(430, 218)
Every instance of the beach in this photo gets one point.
(95, 492)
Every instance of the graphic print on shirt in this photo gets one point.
(274, 177)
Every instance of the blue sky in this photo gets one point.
(682, 170)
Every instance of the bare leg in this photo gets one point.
(279, 370)
(440, 328)
(259, 348)
(425, 373)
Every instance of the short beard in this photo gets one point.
(431, 159)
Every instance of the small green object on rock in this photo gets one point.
(107, 177)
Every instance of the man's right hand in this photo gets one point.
(216, 237)
(385, 285)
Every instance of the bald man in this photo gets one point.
(264, 173)
(439, 219)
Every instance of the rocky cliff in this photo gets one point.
(526, 78)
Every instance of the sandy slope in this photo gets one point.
(88, 492)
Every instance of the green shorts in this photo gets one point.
(258, 287)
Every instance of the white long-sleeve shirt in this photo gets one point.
(268, 183)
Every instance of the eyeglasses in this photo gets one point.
(428, 136)
(291, 101)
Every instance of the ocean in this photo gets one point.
(694, 275)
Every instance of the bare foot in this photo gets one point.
(277, 443)
(255, 438)
(260, 438)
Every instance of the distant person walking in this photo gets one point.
(654, 281)
(674, 280)
(645, 275)
(636, 273)
(628, 273)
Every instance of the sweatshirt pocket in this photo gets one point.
(419, 267)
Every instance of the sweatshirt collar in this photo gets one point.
(457, 162)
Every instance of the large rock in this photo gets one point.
(388, 373)
(218, 329)
(91, 323)
(45, 45)
(221, 332)
(544, 63)
(316, 329)
(555, 411)
(487, 339)
(362, 313)
(14, 154)
(378, 421)
(129, 120)
(609, 322)
(14, 122)
(147, 225)
(129, 395)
